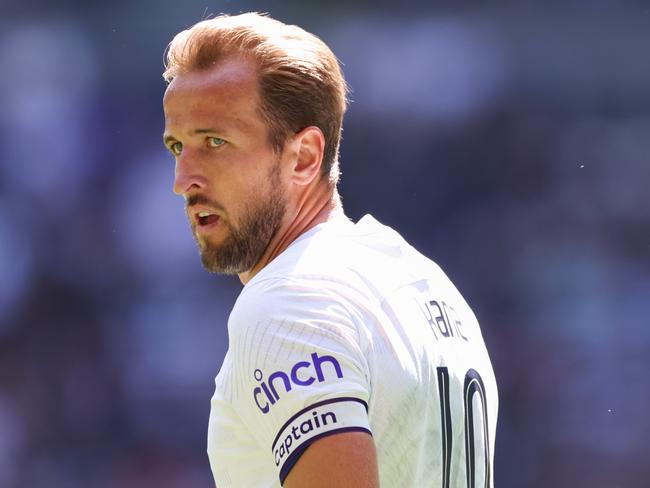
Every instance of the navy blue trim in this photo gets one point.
(315, 405)
(295, 455)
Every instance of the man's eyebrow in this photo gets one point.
(168, 138)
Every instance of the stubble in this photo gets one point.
(249, 237)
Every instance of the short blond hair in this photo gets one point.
(301, 82)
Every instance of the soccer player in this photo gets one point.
(353, 361)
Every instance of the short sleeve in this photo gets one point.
(298, 365)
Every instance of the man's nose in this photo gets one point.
(188, 175)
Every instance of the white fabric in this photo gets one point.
(350, 329)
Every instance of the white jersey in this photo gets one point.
(351, 329)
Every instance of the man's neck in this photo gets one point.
(320, 205)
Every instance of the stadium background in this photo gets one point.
(509, 141)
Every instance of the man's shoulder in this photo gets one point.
(333, 297)
(322, 262)
(295, 297)
(356, 265)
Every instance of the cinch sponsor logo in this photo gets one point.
(301, 374)
(317, 421)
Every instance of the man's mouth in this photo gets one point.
(206, 218)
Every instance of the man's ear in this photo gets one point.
(309, 145)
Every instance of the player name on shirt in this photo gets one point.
(443, 320)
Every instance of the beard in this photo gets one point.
(248, 238)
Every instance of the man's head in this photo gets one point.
(300, 80)
(253, 115)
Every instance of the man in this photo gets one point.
(353, 361)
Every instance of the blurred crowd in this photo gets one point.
(509, 144)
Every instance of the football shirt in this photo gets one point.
(352, 329)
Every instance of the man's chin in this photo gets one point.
(204, 241)
(212, 266)
(208, 247)
(222, 260)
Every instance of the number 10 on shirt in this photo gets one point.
(472, 386)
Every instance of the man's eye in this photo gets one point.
(176, 148)
(215, 141)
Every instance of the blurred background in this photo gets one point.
(509, 141)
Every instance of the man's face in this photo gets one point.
(226, 169)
